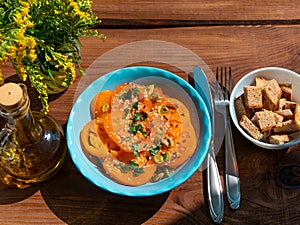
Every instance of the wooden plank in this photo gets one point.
(204, 10)
(243, 47)
(68, 198)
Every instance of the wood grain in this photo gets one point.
(198, 10)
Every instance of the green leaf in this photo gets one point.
(126, 113)
(126, 95)
(135, 105)
(153, 150)
(135, 149)
(135, 91)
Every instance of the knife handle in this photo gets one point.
(232, 178)
(215, 191)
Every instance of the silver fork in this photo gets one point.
(222, 96)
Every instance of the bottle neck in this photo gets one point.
(21, 121)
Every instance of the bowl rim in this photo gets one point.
(253, 74)
(143, 190)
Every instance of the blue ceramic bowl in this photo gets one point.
(172, 86)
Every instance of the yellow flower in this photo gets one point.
(25, 10)
(19, 18)
(21, 72)
(1, 77)
(25, 4)
(47, 57)
(28, 38)
(31, 43)
(32, 55)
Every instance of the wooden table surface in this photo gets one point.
(174, 35)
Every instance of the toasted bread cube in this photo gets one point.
(297, 116)
(286, 89)
(250, 128)
(279, 139)
(290, 105)
(260, 81)
(282, 102)
(286, 113)
(265, 120)
(285, 104)
(266, 134)
(287, 84)
(271, 95)
(240, 108)
(254, 119)
(278, 118)
(286, 127)
(253, 97)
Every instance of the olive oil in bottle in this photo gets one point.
(32, 145)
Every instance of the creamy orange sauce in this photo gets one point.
(145, 133)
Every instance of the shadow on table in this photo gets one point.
(77, 201)
(11, 195)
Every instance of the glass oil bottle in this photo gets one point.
(32, 145)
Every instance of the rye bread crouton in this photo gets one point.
(286, 127)
(286, 113)
(281, 104)
(250, 127)
(260, 81)
(240, 108)
(253, 97)
(285, 104)
(254, 119)
(265, 120)
(286, 89)
(271, 95)
(279, 139)
(290, 105)
(278, 118)
(297, 116)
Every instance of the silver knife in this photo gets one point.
(215, 191)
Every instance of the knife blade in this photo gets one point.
(214, 189)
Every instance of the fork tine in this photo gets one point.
(222, 85)
(225, 84)
(230, 81)
(217, 84)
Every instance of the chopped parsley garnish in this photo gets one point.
(144, 132)
(133, 129)
(135, 105)
(127, 138)
(166, 156)
(133, 164)
(135, 91)
(125, 168)
(135, 149)
(140, 116)
(126, 113)
(169, 171)
(126, 95)
(137, 171)
(154, 150)
(161, 173)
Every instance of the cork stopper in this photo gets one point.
(10, 96)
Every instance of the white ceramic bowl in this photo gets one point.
(282, 76)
